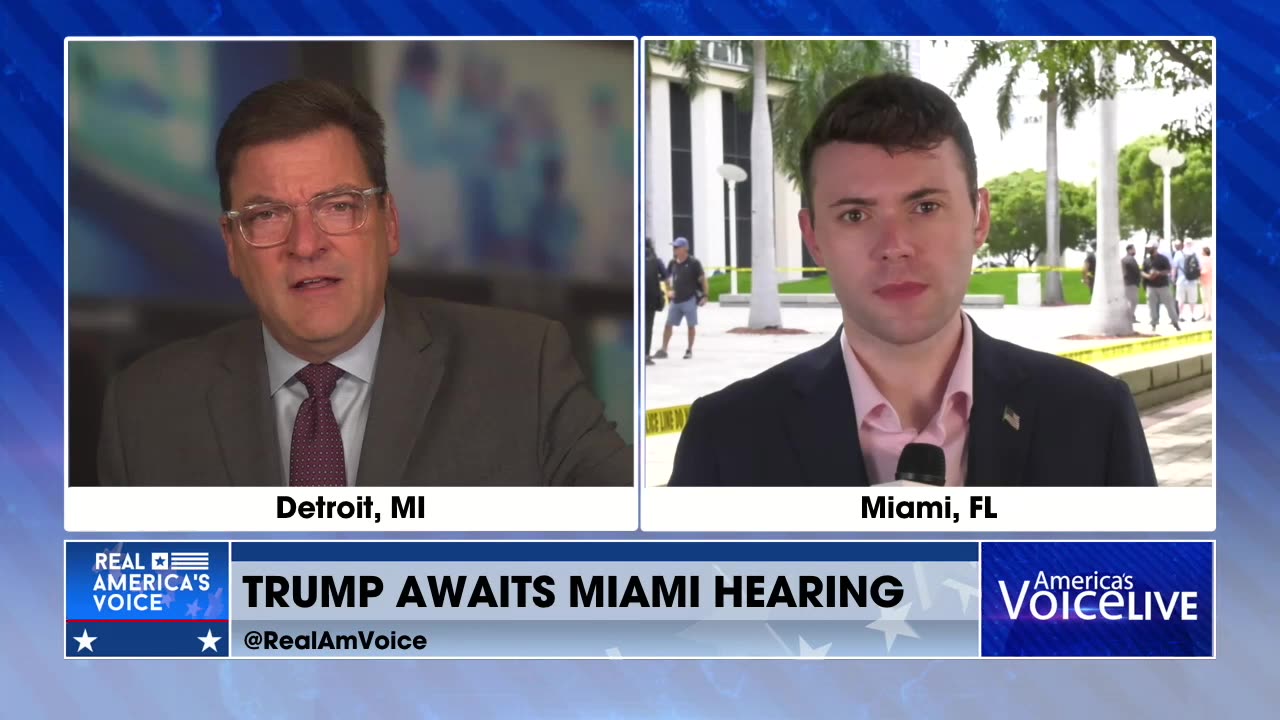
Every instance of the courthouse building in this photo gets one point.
(690, 135)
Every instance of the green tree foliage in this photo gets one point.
(1178, 65)
(816, 70)
(1142, 191)
(1017, 216)
(1068, 82)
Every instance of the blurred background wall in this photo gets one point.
(511, 162)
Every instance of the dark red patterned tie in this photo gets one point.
(315, 456)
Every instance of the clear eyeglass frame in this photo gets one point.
(236, 216)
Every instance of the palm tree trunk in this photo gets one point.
(1053, 286)
(1109, 311)
(648, 151)
(766, 310)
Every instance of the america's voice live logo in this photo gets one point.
(1097, 599)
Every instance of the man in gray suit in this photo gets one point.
(340, 380)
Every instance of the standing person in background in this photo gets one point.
(1188, 282)
(687, 293)
(1132, 275)
(1175, 280)
(655, 276)
(1156, 272)
(1090, 270)
(1207, 282)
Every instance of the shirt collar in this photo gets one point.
(868, 399)
(357, 362)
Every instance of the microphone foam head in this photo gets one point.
(920, 461)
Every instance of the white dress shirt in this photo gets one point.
(350, 398)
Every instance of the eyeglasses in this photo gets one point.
(266, 225)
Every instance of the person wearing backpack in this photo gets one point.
(1188, 281)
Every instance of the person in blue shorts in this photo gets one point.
(687, 292)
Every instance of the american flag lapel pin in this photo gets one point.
(1011, 418)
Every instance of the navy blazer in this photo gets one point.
(794, 424)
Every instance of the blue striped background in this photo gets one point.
(36, 683)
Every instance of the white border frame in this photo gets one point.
(490, 509)
(741, 509)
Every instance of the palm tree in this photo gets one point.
(1109, 310)
(1070, 84)
(817, 69)
(766, 306)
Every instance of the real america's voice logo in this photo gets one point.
(1097, 599)
(146, 582)
(147, 599)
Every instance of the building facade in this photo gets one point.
(689, 135)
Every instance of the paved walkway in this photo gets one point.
(1179, 433)
(1180, 436)
(721, 357)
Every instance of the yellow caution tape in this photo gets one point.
(665, 421)
(1093, 356)
(671, 420)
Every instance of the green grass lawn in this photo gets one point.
(996, 283)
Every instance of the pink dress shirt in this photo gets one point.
(880, 432)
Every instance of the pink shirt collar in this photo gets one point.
(880, 430)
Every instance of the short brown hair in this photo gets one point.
(898, 113)
(292, 108)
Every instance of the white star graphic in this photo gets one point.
(193, 608)
(966, 592)
(922, 583)
(85, 642)
(209, 641)
(893, 622)
(808, 651)
(215, 604)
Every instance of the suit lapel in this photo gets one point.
(241, 412)
(410, 367)
(821, 423)
(1002, 419)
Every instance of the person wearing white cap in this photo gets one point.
(687, 292)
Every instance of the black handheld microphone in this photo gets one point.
(921, 464)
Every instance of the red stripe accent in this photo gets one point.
(119, 620)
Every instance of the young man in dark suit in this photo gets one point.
(894, 212)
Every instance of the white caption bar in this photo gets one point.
(376, 509)
(1016, 509)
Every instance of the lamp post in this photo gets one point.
(1167, 159)
(732, 175)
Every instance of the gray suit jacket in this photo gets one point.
(462, 396)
